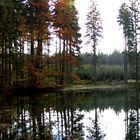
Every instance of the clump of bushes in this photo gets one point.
(103, 72)
(109, 72)
(84, 72)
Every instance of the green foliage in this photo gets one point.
(49, 82)
(104, 72)
(94, 31)
(94, 25)
(124, 18)
(108, 72)
(84, 72)
(128, 18)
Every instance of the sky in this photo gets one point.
(112, 32)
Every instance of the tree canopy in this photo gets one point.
(29, 31)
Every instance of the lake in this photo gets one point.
(71, 115)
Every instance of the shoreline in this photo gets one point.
(94, 86)
(102, 86)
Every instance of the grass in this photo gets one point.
(98, 86)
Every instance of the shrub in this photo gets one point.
(109, 72)
(84, 72)
(104, 72)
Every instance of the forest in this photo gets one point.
(28, 30)
(50, 89)
(40, 45)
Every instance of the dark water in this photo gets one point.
(105, 115)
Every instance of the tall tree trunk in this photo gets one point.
(94, 64)
(39, 52)
(67, 62)
(70, 66)
(30, 73)
(6, 60)
(63, 63)
(10, 70)
(125, 62)
(21, 57)
(60, 60)
(2, 75)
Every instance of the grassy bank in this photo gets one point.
(100, 86)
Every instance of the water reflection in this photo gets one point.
(68, 116)
(94, 129)
(132, 120)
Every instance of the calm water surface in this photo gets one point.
(106, 115)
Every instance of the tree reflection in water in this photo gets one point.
(60, 116)
(95, 132)
(132, 119)
(132, 127)
(53, 117)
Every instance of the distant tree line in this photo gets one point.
(115, 58)
(110, 67)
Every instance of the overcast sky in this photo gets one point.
(112, 32)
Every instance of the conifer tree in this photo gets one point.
(129, 19)
(94, 31)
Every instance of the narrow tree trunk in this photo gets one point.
(94, 64)
(60, 61)
(125, 62)
(2, 62)
(63, 63)
(10, 46)
(39, 52)
(70, 65)
(6, 61)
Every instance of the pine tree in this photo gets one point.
(94, 30)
